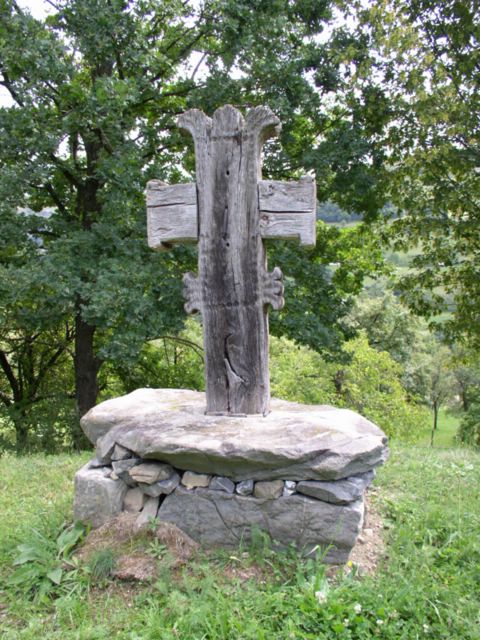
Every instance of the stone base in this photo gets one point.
(216, 519)
(216, 512)
(299, 474)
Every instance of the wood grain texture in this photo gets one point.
(288, 210)
(171, 214)
(233, 287)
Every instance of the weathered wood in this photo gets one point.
(287, 210)
(171, 214)
(230, 212)
(233, 287)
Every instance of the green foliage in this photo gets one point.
(469, 431)
(370, 383)
(94, 92)
(42, 563)
(424, 58)
(388, 324)
(300, 374)
(172, 361)
(320, 284)
(102, 563)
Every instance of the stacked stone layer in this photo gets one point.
(299, 473)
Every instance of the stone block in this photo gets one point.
(162, 487)
(97, 498)
(294, 441)
(290, 488)
(268, 490)
(192, 480)
(134, 500)
(244, 488)
(219, 519)
(148, 512)
(122, 468)
(220, 483)
(337, 491)
(150, 472)
(120, 453)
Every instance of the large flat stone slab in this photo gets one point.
(218, 519)
(295, 442)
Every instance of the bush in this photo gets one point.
(299, 374)
(371, 384)
(469, 430)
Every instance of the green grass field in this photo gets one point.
(427, 585)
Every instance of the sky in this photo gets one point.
(38, 8)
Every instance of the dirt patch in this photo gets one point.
(370, 547)
(138, 550)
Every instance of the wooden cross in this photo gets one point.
(229, 211)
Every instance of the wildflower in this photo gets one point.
(321, 596)
(357, 607)
(379, 622)
(426, 628)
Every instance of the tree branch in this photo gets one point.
(7, 369)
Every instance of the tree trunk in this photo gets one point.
(435, 422)
(87, 366)
(21, 430)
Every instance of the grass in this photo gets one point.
(428, 586)
(448, 422)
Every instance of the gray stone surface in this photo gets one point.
(97, 498)
(216, 518)
(244, 488)
(289, 488)
(220, 483)
(298, 442)
(149, 511)
(337, 491)
(150, 472)
(163, 487)
(123, 409)
(120, 453)
(134, 500)
(95, 463)
(268, 489)
(191, 480)
(122, 467)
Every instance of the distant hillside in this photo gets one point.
(331, 213)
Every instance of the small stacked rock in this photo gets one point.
(300, 473)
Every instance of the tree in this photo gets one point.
(388, 324)
(95, 89)
(426, 62)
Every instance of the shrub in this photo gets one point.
(371, 384)
(469, 430)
